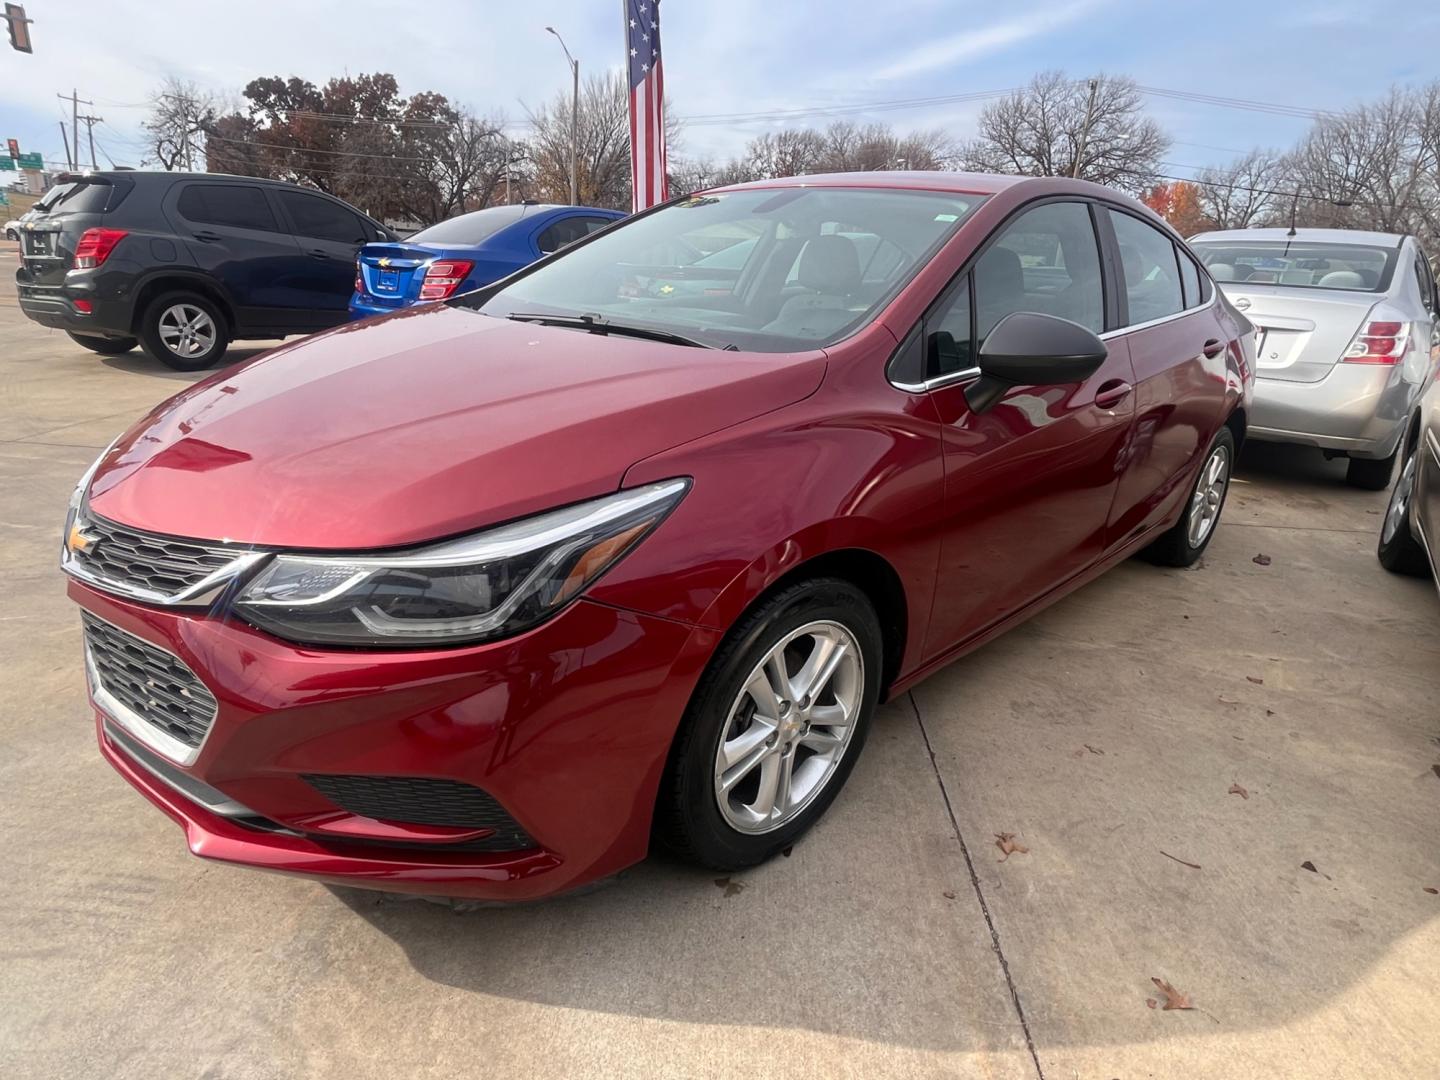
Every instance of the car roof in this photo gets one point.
(958, 182)
(1317, 236)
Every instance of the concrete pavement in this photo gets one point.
(1103, 733)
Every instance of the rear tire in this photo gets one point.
(1400, 550)
(728, 739)
(105, 346)
(184, 331)
(1188, 538)
(1371, 474)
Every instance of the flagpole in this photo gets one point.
(629, 98)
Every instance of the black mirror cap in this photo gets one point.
(1029, 349)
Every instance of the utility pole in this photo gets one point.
(574, 120)
(90, 122)
(75, 102)
(1085, 131)
(66, 140)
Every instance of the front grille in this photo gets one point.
(150, 682)
(420, 801)
(128, 558)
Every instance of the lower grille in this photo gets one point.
(151, 683)
(421, 801)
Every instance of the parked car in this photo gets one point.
(476, 600)
(465, 253)
(1408, 535)
(14, 225)
(1345, 322)
(185, 263)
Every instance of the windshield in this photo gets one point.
(1303, 265)
(470, 228)
(769, 270)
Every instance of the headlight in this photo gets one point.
(488, 585)
(77, 500)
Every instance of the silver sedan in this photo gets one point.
(1345, 326)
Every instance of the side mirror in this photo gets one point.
(1029, 349)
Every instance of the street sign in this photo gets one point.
(32, 161)
(7, 163)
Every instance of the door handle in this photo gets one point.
(1213, 348)
(206, 237)
(1111, 393)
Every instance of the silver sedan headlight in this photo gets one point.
(488, 585)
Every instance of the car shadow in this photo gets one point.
(138, 362)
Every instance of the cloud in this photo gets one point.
(985, 40)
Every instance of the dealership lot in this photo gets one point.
(1105, 735)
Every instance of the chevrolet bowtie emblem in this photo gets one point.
(384, 262)
(79, 540)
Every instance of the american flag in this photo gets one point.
(647, 104)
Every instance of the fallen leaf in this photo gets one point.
(1261, 560)
(1308, 865)
(948, 895)
(1269, 712)
(1093, 750)
(1255, 679)
(787, 850)
(1236, 789)
(1150, 1003)
(1005, 841)
(731, 887)
(1432, 892)
(1174, 999)
(1182, 862)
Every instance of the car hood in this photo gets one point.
(428, 423)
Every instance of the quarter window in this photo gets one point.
(1190, 279)
(1047, 261)
(1152, 280)
(949, 333)
(322, 219)
(232, 206)
(567, 230)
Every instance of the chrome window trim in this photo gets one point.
(963, 375)
(135, 725)
(1119, 331)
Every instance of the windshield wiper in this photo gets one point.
(598, 324)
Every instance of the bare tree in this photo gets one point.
(1244, 193)
(175, 128)
(841, 147)
(1041, 130)
(604, 128)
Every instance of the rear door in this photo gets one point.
(1029, 482)
(233, 234)
(1171, 328)
(329, 235)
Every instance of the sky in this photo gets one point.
(742, 56)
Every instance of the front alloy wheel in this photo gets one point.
(789, 727)
(1186, 540)
(774, 726)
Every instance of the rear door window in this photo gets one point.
(231, 206)
(1425, 282)
(322, 219)
(566, 231)
(1152, 277)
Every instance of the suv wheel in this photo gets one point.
(774, 728)
(105, 346)
(184, 331)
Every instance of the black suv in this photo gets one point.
(185, 263)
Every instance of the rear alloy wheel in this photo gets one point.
(1188, 538)
(774, 727)
(184, 331)
(105, 346)
(1371, 474)
(1400, 550)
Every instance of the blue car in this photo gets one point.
(465, 253)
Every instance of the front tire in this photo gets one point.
(105, 346)
(1187, 539)
(774, 727)
(1371, 474)
(1400, 550)
(184, 331)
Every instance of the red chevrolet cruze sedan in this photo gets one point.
(479, 598)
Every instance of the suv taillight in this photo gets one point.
(95, 246)
(1378, 342)
(443, 278)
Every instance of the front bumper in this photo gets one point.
(567, 727)
(1358, 408)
